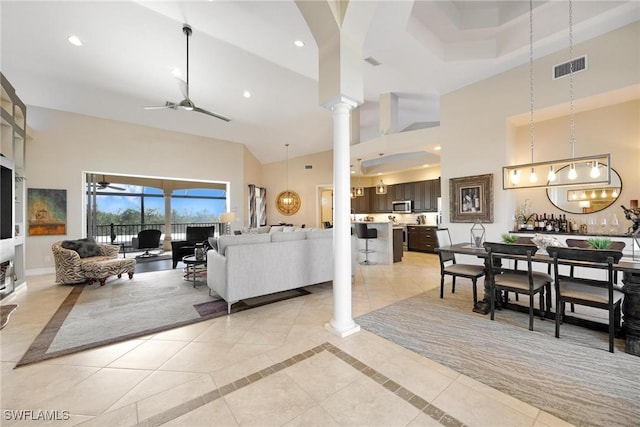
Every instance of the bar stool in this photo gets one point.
(364, 232)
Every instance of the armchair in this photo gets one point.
(84, 261)
(181, 248)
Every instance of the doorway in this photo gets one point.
(326, 205)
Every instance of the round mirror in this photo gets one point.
(585, 199)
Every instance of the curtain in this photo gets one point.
(253, 220)
(263, 207)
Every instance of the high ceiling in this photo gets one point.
(425, 49)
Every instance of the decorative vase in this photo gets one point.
(199, 252)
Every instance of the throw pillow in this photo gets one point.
(84, 247)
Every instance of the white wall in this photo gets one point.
(63, 145)
(477, 136)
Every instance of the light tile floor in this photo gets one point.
(275, 365)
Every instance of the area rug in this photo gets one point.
(574, 378)
(93, 315)
(5, 313)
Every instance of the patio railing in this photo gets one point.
(124, 233)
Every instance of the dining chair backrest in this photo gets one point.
(510, 248)
(444, 239)
(516, 251)
(585, 254)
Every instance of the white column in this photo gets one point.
(166, 245)
(342, 323)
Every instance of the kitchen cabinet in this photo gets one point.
(360, 205)
(421, 238)
(425, 195)
(397, 244)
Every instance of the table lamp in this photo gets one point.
(227, 218)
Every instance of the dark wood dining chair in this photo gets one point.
(449, 266)
(587, 291)
(512, 280)
(584, 244)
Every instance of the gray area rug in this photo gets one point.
(574, 378)
(93, 315)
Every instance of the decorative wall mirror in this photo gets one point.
(584, 199)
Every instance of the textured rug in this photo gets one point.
(5, 313)
(93, 315)
(574, 378)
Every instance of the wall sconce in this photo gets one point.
(381, 188)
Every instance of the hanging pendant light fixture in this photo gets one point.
(359, 190)
(288, 201)
(560, 173)
(381, 188)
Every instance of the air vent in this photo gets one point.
(308, 166)
(372, 61)
(561, 70)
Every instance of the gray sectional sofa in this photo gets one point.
(250, 265)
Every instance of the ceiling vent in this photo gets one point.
(561, 70)
(372, 61)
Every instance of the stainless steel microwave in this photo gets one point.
(401, 206)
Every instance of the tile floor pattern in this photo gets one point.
(271, 366)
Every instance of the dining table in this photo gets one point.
(630, 269)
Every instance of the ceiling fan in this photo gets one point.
(104, 184)
(186, 103)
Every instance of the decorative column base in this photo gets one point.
(342, 332)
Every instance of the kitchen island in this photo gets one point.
(383, 245)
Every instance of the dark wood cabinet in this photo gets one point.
(421, 239)
(424, 195)
(397, 244)
(360, 205)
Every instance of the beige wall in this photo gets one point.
(64, 145)
(305, 182)
(477, 137)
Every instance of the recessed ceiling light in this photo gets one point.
(74, 40)
(299, 43)
(425, 166)
(246, 94)
(437, 148)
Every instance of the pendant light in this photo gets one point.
(575, 171)
(359, 191)
(288, 201)
(533, 178)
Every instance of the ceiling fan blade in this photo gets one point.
(113, 187)
(184, 87)
(167, 104)
(217, 116)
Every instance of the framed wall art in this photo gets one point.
(471, 199)
(47, 211)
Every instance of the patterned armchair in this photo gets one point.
(69, 265)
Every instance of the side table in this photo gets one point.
(193, 268)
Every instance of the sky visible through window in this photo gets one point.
(191, 205)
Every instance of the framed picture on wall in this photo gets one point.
(47, 211)
(471, 198)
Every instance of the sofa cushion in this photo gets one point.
(241, 239)
(287, 237)
(276, 229)
(84, 247)
(318, 233)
